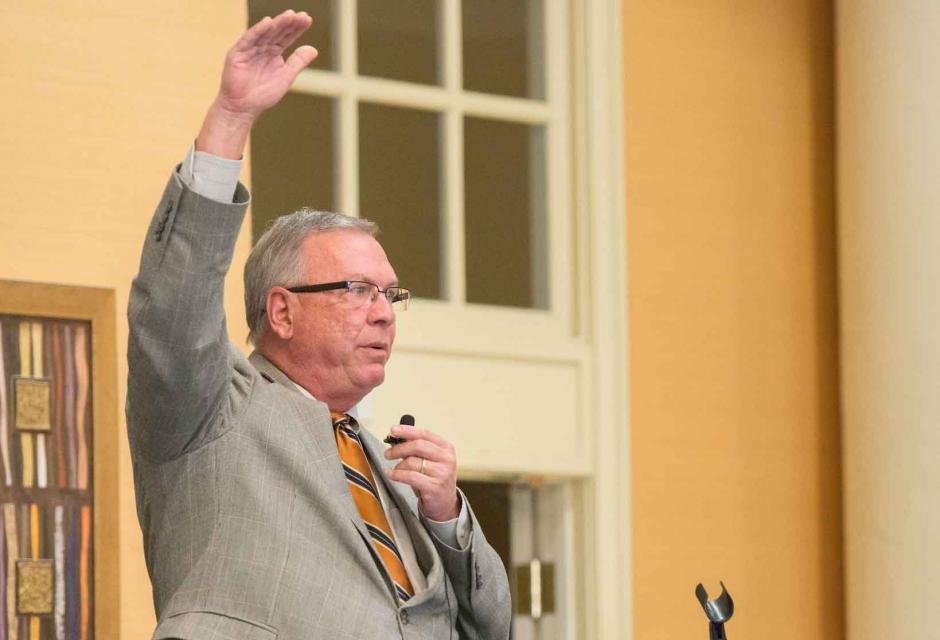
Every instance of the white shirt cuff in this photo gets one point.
(211, 176)
(456, 532)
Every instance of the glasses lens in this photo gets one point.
(362, 292)
(398, 297)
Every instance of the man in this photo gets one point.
(266, 511)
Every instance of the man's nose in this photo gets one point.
(381, 311)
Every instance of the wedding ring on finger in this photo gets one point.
(424, 463)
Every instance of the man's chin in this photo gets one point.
(373, 377)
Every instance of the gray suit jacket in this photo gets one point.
(249, 529)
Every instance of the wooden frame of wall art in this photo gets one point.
(58, 463)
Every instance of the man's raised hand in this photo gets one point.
(255, 77)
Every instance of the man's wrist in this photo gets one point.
(446, 515)
(224, 132)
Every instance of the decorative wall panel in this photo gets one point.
(49, 422)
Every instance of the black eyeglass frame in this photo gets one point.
(404, 295)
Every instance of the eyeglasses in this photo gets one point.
(362, 293)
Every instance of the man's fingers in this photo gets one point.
(417, 448)
(421, 465)
(421, 449)
(273, 31)
(281, 30)
(295, 29)
(437, 496)
(281, 25)
(416, 433)
(292, 25)
(415, 479)
(299, 60)
(254, 34)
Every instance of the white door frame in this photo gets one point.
(605, 581)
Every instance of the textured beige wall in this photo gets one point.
(732, 294)
(889, 199)
(99, 101)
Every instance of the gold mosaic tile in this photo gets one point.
(34, 587)
(33, 404)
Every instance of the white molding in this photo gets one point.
(599, 115)
(559, 263)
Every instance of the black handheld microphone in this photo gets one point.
(407, 419)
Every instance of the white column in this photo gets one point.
(889, 242)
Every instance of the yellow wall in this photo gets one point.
(98, 103)
(733, 363)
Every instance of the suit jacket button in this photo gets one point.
(403, 616)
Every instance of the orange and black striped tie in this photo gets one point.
(362, 486)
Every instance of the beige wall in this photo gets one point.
(732, 294)
(98, 104)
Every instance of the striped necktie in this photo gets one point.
(362, 486)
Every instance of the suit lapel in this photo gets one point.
(319, 442)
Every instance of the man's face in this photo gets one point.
(343, 345)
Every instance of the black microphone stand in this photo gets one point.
(719, 611)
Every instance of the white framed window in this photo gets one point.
(447, 123)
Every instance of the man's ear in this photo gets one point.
(280, 313)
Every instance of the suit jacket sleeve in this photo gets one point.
(182, 370)
(479, 578)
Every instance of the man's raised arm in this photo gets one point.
(180, 362)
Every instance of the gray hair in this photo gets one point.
(276, 258)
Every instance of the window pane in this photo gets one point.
(398, 40)
(503, 47)
(504, 220)
(320, 35)
(292, 159)
(399, 188)
(491, 507)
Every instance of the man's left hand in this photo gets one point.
(429, 465)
